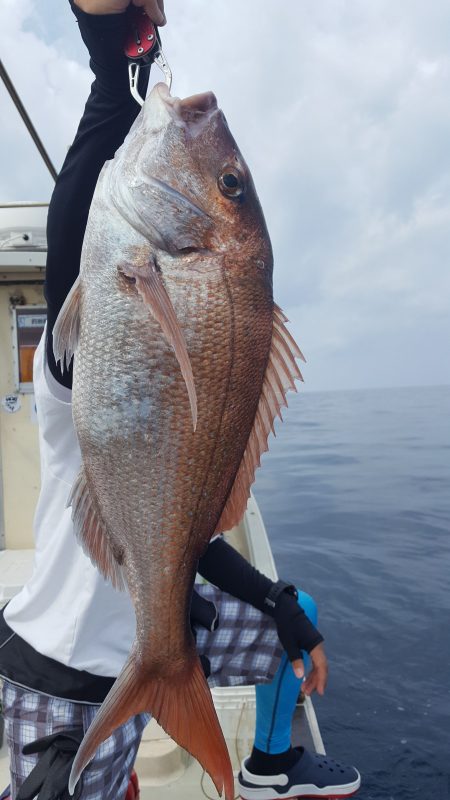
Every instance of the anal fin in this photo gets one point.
(92, 533)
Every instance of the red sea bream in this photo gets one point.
(182, 361)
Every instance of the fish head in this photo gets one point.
(183, 183)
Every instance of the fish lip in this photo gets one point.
(195, 108)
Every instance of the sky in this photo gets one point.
(342, 111)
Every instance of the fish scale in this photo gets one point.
(173, 445)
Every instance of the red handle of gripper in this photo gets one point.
(141, 35)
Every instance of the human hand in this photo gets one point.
(154, 8)
(296, 633)
(317, 678)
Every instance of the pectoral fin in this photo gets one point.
(280, 376)
(150, 286)
(66, 329)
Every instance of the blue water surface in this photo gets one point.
(355, 494)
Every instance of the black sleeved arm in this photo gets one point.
(108, 115)
(223, 566)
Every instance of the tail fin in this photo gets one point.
(184, 709)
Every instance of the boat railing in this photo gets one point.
(23, 237)
(25, 204)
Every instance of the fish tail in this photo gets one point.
(184, 708)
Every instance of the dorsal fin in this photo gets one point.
(280, 376)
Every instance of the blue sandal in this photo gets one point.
(313, 775)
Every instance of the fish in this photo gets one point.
(182, 362)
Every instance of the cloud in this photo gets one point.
(341, 109)
(53, 89)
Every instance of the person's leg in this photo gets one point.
(276, 701)
(30, 716)
(275, 768)
(246, 650)
(108, 775)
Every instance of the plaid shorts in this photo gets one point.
(244, 650)
(30, 715)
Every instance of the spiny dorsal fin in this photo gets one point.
(91, 532)
(66, 329)
(280, 376)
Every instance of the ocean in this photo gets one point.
(355, 495)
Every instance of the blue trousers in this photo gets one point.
(276, 701)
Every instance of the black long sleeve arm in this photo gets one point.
(108, 115)
(223, 566)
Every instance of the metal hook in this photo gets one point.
(133, 75)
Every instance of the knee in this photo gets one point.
(309, 606)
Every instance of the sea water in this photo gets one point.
(355, 494)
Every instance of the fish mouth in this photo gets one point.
(196, 108)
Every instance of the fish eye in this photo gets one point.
(231, 182)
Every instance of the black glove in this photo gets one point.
(50, 777)
(295, 631)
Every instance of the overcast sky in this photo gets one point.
(342, 110)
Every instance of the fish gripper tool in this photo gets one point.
(142, 48)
